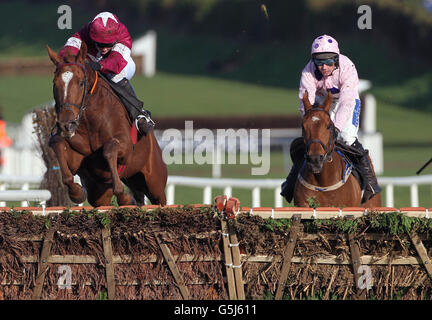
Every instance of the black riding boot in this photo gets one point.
(140, 116)
(371, 183)
(297, 151)
(289, 184)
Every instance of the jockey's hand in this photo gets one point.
(96, 66)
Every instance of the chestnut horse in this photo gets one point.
(325, 178)
(93, 140)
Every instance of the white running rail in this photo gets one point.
(27, 190)
(28, 184)
(255, 185)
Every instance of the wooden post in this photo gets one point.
(109, 263)
(287, 256)
(228, 261)
(421, 250)
(173, 267)
(43, 264)
(237, 264)
(356, 263)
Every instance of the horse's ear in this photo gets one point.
(328, 101)
(55, 58)
(82, 54)
(306, 103)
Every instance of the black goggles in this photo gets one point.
(104, 45)
(319, 62)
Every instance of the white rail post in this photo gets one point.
(2, 188)
(207, 193)
(77, 179)
(256, 197)
(217, 162)
(228, 191)
(414, 195)
(277, 197)
(389, 196)
(25, 186)
(43, 205)
(146, 46)
(170, 194)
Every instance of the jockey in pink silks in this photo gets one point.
(109, 50)
(330, 71)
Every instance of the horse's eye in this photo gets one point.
(82, 83)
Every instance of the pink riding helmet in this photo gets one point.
(104, 28)
(325, 43)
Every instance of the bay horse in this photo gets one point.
(326, 177)
(94, 140)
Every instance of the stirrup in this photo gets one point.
(369, 192)
(149, 122)
(147, 118)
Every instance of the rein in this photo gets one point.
(84, 101)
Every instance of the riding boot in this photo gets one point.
(371, 183)
(297, 151)
(289, 184)
(140, 116)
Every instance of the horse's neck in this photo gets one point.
(330, 174)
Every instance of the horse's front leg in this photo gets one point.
(111, 151)
(69, 161)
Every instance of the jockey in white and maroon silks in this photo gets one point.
(109, 47)
(330, 71)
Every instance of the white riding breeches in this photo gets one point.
(348, 134)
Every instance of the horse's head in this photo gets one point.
(319, 133)
(70, 87)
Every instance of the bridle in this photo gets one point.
(327, 157)
(82, 107)
(332, 138)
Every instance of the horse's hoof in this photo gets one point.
(118, 192)
(81, 198)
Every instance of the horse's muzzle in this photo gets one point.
(68, 129)
(315, 162)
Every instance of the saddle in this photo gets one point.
(352, 155)
(348, 153)
(124, 91)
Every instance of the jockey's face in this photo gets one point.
(103, 50)
(325, 66)
(326, 70)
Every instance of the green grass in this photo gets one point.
(165, 95)
(184, 95)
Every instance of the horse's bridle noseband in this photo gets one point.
(332, 139)
(81, 107)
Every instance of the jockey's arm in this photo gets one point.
(348, 95)
(73, 44)
(116, 59)
(307, 83)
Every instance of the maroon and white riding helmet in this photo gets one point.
(104, 28)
